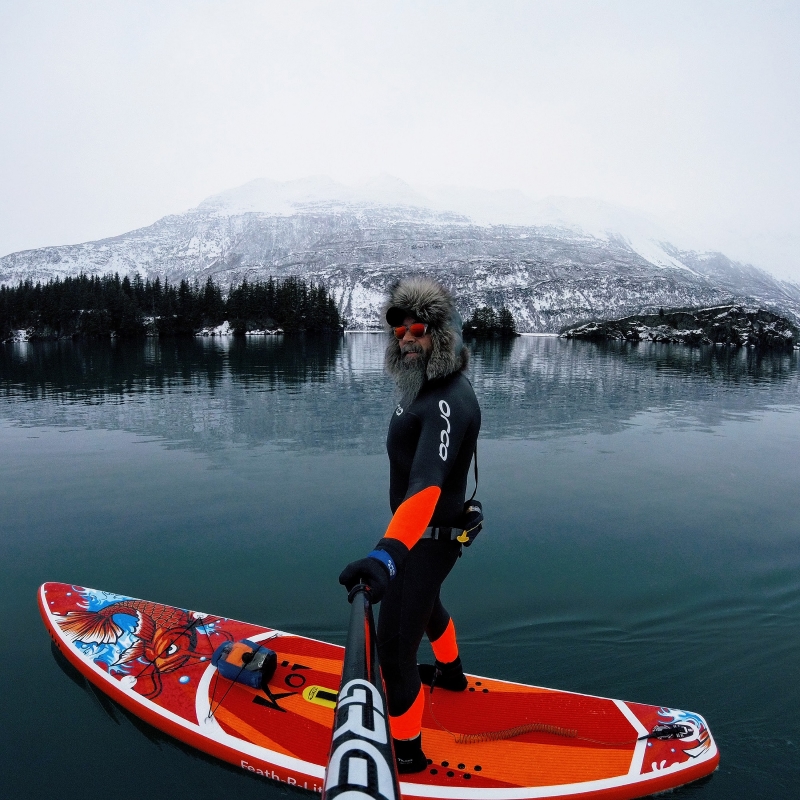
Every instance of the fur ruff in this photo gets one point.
(429, 302)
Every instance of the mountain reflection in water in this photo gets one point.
(641, 535)
(330, 394)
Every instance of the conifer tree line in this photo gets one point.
(485, 321)
(99, 305)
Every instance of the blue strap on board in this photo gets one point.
(385, 559)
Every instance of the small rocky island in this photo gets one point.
(729, 325)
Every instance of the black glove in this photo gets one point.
(369, 571)
(377, 569)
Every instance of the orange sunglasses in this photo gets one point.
(417, 329)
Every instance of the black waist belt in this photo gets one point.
(440, 533)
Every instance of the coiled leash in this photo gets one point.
(673, 730)
(510, 733)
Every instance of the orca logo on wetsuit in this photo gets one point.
(398, 410)
(444, 436)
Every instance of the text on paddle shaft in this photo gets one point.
(363, 727)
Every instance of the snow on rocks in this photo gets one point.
(225, 329)
(220, 330)
(724, 325)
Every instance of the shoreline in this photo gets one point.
(548, 335)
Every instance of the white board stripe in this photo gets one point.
(641, 746)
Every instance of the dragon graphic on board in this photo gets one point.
(162, 639)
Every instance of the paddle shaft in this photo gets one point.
(361, 762)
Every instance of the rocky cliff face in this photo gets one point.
(729, 325)
(549, 275)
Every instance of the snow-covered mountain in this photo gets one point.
(552, 262)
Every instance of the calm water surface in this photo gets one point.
(643, 535)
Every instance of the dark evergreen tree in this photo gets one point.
(102, 306)
(212, 304)
(508, 327)
(485, 321)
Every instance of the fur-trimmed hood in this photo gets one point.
(429, 302)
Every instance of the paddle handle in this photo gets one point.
(361, 761)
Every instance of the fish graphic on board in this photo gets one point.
(163, 639)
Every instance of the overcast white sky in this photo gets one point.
(116, 113)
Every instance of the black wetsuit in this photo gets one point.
(430, 444)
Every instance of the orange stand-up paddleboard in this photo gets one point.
(495, 741)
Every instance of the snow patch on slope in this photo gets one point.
(482, 207)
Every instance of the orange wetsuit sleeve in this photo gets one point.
(412, 516)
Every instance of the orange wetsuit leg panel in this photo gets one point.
(406, 612)
(409, 724)
(445, 648)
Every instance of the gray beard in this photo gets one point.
(410, 375)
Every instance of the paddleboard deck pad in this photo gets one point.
(155, 661)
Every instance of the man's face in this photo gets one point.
(413, 347)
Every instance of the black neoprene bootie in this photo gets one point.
(409, 756)
(448, 676)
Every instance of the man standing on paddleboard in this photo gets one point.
(432, 438)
